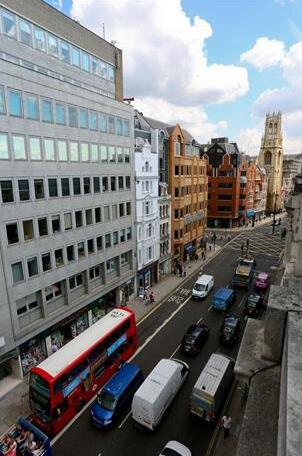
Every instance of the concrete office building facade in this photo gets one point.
(66, 182)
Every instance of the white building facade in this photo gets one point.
(147, 211)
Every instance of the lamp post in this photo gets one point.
(274, 213)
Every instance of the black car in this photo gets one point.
(194, 338)
(230, 329)
(253, 305)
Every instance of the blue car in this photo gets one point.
(116, 396)
(223, 299)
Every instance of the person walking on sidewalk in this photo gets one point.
(226, 424)
(151, 297)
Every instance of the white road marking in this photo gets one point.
(241, 302)
(210, 308)
(124, 420)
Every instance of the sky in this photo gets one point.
(214, 66)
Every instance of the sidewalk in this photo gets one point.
(242, 229)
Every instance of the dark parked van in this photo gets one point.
(116, 396)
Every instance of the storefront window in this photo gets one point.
(31, 354)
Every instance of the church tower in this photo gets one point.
(271, 158)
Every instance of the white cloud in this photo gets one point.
(265, 53)
(163, 50)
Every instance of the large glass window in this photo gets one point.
(126, 128)
(47, 111)
(74, 151)
(76, 186)
(78, 219)
(56, 223)
(87, 188)
(28, 230)
(110, 73)
(85, 61)
(60, 114)
(104, 154)
(102, 122)
(9, 24)
(68, 221)
(84, 152)
(93, 120)
(43, 226)
(119, 153)
(53, 45)
(83, 118)
(52, 187)
(15, 103)
(105, 184)
(111, 122)
(2, 101)
(65, 186)
(19, 149)
(75, 57)
(88, 215)
(39, 188)
(4, 152)
(12, 233)
(25, 32)
(119, 127)
(65, 51)
(49, 146)
(35, 148)
(103, 69)
(94, 65)
(31, 107)
(17, 272)
(23, 186)
(40, 40)
(96, 185)
(72, 116)
(7, 191)
(62, 150)
(32, 266)
(127, 154)
(94, 153)
(97, 214)
(46, 262)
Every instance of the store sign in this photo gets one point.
(116, 345)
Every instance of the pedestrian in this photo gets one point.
(180, 270)
(242, 249)
(145, 297)
(185, 271)
(54, 346)
(226, 424)
(203, 255)
(210, 247)
(151, 297)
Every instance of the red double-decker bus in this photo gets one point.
(64, 382)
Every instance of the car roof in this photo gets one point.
(253, 297)
(121, 379)
(223, 293)
(179, 447)
(262, 275)
(204, 279)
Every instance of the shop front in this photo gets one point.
(148, 277)
(127, 289)
(189, 251)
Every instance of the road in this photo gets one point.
(174, 316)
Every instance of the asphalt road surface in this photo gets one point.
(173, 318)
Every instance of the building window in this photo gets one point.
(102, 122)
(127, 154)
(126, 128)
(125, 258)
(23, 185)
(268, 158)
(114, 211)
(17, 272)
(19, 147)
(119, 127)
(121, 182)
(28, 230)
(150, 253)
(88, 213)
(76, 186)
(147, 208)
(2, 101)
(94, 152)
(65, 51)
(56, 224)
(76, 281)
(90, 246)
(93, 120)
(129, 233)
(46, 111)
(9, 24)
(7, 191)
(83, 118)
(68, 221)
(111, 123)
(78, 219)
(128, 183)
(12, 233)
(111, 154)
(75, 57)
(106, 213)
(74, 151)
(99, 243)
(70, 253)
(94, 65)
(46, 261)
(87, 185)
(177, 148)
(60, 114)
(113, 183)
(123, 235)
(72, 116)
(96, 185)
(149, 230)
(104, 154)
(40, 41)
(15, 103)
(43, 227)
(119, 154)
(85, 61)
(65, 186)
(98, 216)
(84, 152)
(35, 148)
(52, 188)
(121, 209)
(31, 107)
(81, 250)
(4, 152)
(112, 265)
(49, 146)
(128, 208)
(59, 258)
(115, 237)
(94, 273)
(53, 45)
(32, 267)
(25, 32)
(53, 291)
(105, 184)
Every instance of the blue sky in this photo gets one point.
(227, 93)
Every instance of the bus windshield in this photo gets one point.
(107, 401)
(39, 397)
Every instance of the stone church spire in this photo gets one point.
(271, 158)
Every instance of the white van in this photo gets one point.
(203, 286)
(156, 393)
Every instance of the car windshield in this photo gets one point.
(199, 286)
(107, 400)
(261, 279)
(169, 452)
(190, 340)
